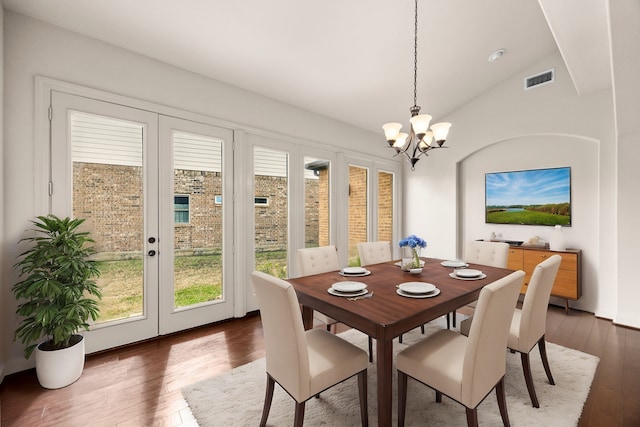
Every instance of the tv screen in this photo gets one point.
(529, 197)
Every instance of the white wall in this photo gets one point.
(3, 213)
(625, 35)
(508, 128)
(556, 151)
(33, 48)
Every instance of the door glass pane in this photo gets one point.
(108, 192)
(272, 213)
(358, 178)
(316, 202)
(385, 206)
(197, 188)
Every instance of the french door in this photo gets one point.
(155, 192)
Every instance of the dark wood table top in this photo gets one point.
(387, 314)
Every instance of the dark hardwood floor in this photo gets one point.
(139, 385)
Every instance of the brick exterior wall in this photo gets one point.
(271, 221)
(109, 197)
(311, 212)
(385, 206)
(357, 208)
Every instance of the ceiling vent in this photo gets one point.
(539, 79)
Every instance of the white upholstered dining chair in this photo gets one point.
(316, 261)
(493, 254)
(529, 324)
(374, 252)
(303, 363)
(466, 368)
(319, 260)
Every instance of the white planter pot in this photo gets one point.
(59, 368)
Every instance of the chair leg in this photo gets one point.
(370, 350)
(362, 388)
(472, 417)
(268, 397)
(402, 397)
(299, 416)
(502, 402)
(526, 369)
(545, 361)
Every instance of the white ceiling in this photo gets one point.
(348, 59)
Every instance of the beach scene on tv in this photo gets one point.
(529, 197)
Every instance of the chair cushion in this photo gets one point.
(418, 361)
(331, 359)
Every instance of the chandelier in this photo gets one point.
(419, 140)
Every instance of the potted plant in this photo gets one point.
(58, 297)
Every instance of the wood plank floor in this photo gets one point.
(139, 385)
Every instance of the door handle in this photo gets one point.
(151, 252)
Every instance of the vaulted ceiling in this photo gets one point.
(351, 60)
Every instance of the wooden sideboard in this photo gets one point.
(568, 284)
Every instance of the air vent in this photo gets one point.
(539, 79)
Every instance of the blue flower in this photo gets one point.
(413, 241)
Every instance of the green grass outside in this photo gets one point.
(197, 279)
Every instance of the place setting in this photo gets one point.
(354, 272)
(467, 274)
(417, 290)
(349, 290)
(454, 264)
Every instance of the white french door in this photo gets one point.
(151, 189)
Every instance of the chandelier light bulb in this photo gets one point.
(400, 141)
(440, 131)
(425, 142)
(391, 131)
(420, 124)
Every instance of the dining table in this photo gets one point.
(386, 314)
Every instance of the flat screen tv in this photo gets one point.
(529, 197)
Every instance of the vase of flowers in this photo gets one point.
(412, 244)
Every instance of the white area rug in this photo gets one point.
(236, 398)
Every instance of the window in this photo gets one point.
(181, 209)
(261, 201)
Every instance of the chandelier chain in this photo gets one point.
(415, 57)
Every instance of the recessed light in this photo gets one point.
(497, 55)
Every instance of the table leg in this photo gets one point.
(307, 317)
(384, 354)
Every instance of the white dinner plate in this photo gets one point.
(416, 287)
(354, 270)
(345, 287)
(408, 295)
(454, 264)
(346, 294)
(468, 273)
(480, 277)
(365, 273)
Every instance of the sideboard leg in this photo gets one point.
(566, 306)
